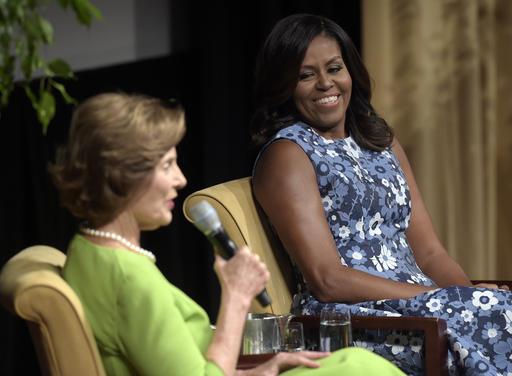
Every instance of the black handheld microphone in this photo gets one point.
(205, 218)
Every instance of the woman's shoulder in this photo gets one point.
(293, 131)
(300, 137)
(117, 262)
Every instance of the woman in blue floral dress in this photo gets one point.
(340, 193)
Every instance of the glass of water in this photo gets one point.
(294, 337)
(277, 337)
(335, 328)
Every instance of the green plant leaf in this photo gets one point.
(26, 64)
(30, 29)
(59, 67)
(18, 12)
(30, 63)
(64, 3)
(62, 90)
(45, 30)
(6, 36)
(85, 11)
(38, 29)
(23, 31)
(30, 94)
(45, 109)
(4, 12)
(7, 68)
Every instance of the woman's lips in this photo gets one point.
(327, 99)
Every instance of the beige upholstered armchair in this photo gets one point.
(32, 288)
(240, 217)
(246, 224)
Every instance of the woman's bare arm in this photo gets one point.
(429, 252)
(285, 186)
(241, 278)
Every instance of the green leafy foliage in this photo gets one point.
(23, 31)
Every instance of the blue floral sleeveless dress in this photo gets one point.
(368, 207)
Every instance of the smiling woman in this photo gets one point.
(340, 193)
(307, 58)
(323, 91)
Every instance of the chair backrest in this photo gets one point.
(245, 223)
(32, 288)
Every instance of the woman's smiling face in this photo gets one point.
(323, 91)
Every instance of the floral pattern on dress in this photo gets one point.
(367, 205)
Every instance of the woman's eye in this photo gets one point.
(335, 69)
(166, 166)
(305, 76)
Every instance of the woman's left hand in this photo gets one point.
(492, 286)
(284, 361)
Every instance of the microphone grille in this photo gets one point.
(205, 217)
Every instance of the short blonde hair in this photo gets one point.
(115, 142)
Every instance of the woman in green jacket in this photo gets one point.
(119, 173)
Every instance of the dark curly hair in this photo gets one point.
(115, 142)
(277, 74)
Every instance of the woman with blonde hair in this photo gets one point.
(119, 173)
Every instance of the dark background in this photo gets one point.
(211, 73)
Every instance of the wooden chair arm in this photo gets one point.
(434, 329)
(498, 282)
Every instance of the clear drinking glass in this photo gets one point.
(277, 337)
(294, 337)
(259, 332)
(335, 328)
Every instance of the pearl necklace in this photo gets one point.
(118, 238)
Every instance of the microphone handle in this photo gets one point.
(224, 244)
(227, 249)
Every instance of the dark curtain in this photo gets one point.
(211, 73)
